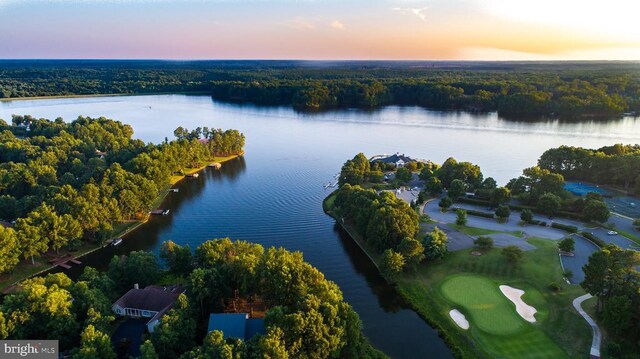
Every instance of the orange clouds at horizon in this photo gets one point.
(329, 29)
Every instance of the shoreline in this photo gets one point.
(4, 286)
(351, 234)
(55, 97)
(577, 118)
(451, 343)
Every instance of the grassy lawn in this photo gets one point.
(475, 231)
(558, 333)
(25, 269)
(187, 171)
(487, 308)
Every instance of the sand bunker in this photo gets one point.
(459, 318)
(515, 295)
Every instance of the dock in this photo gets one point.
(159, 212)
(192, 175)
(174, 190)
(215, 165)
(64, 261)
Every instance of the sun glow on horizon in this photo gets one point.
(322, 29)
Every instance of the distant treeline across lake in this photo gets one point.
(597, 90)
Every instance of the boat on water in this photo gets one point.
(174, 190)
(215, 165)
(116, 242)
(193, 175)
(159, 212)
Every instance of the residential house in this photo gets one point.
(151, 302)
(399, 160)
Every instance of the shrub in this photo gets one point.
(478, 213)
(593, 239)
(564, 227)
(445, 202)
(513, 254)
(555, 287)
(567, 244)
(461, 219)
(503, 212)
(474, 201)
(539, 223)
(483, 242)
(526, 215)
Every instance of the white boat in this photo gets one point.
(117, 241)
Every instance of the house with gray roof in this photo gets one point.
(151, 302)
(399, 160)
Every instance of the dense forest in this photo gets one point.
(516, 90)
(63, 184)
(306, 317)
(617, 165)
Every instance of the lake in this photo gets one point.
(273, 195)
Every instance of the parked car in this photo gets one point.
(612, 233)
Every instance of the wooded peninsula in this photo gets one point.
(71, 186)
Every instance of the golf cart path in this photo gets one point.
(597, 335)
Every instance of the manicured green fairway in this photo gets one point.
(484, 305)
(494, 321)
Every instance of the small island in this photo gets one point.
(501, 271)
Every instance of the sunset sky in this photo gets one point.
(321, 29)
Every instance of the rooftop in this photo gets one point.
(152, 298)
(236, 325)
(392, 159)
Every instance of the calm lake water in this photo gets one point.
(273, 195)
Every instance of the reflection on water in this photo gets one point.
(273, 195)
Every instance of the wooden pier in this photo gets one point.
(64, 261)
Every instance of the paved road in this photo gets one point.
(512, 225)
(618, 239)
(597, 335)
(456, 240)
(583, 249)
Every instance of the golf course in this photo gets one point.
(499, 272)
(471, 284)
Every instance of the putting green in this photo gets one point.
(486, 307)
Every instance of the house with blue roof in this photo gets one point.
(236, 325)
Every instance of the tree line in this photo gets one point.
(513, 90)
(617, 165)
(306, 317)
(612, 276)
(67, 183)
(514, 96)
